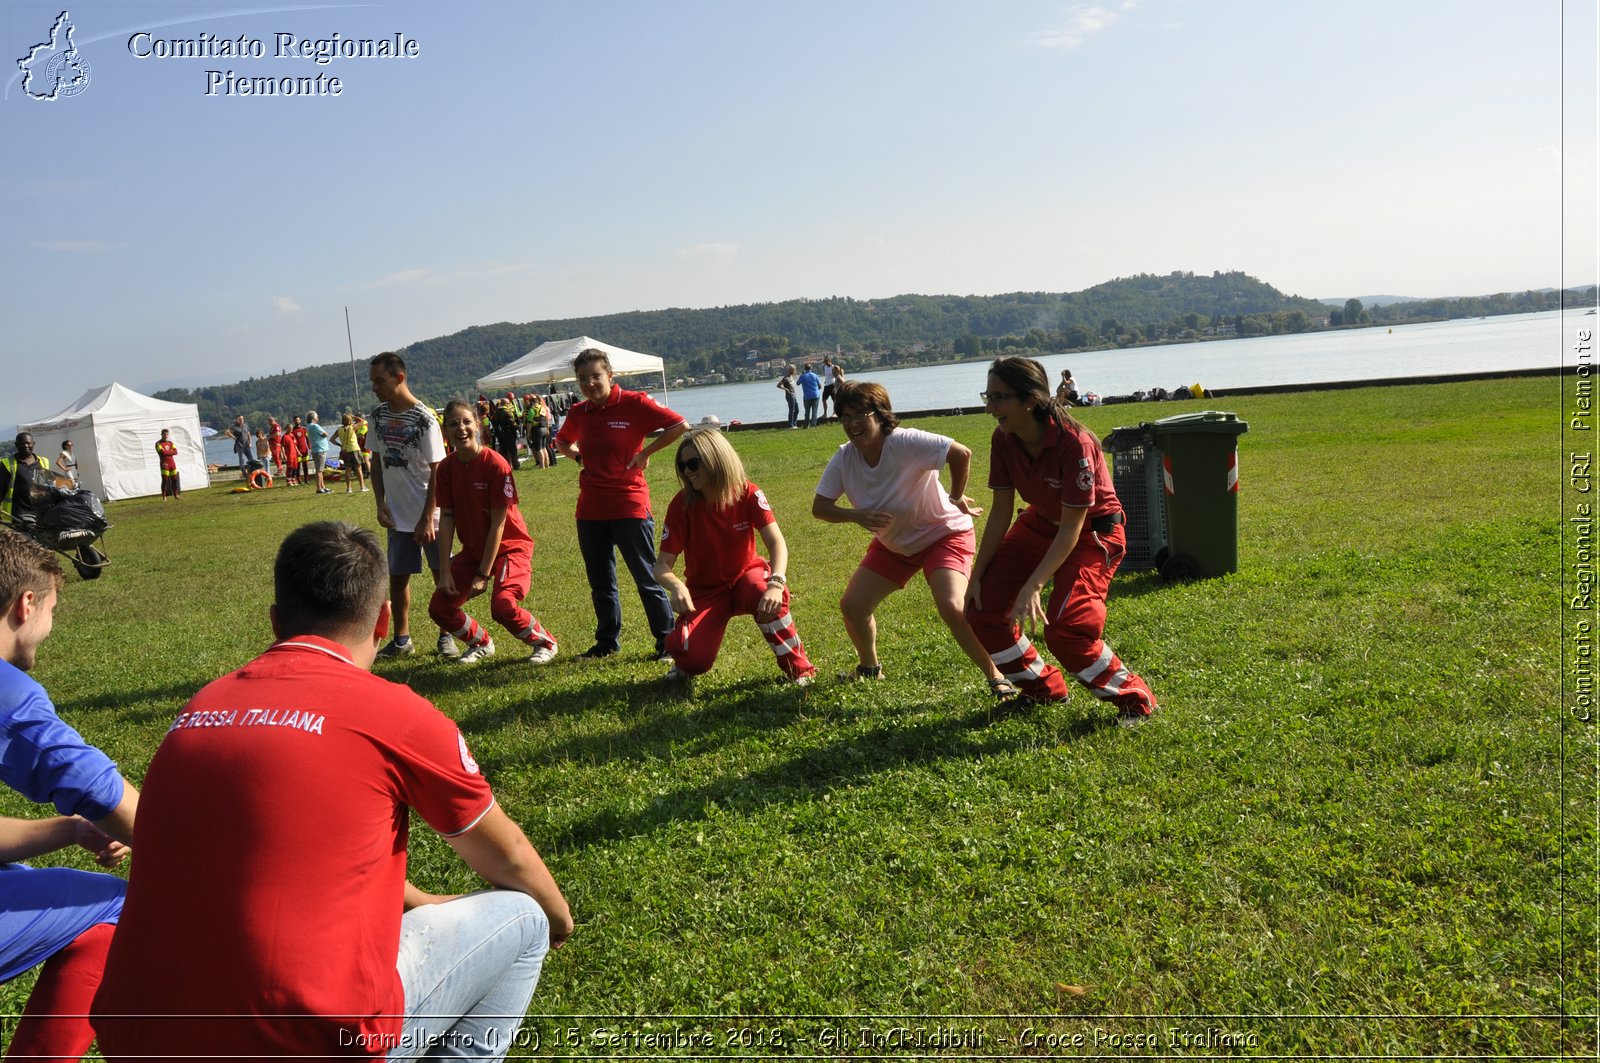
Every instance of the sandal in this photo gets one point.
(862, 672)
(1003, 689)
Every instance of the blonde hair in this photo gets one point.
(725, 479)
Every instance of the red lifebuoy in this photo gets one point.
(261, 479)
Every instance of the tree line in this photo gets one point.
(749, 341)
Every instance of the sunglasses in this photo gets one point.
(996, 396)
(689, 465)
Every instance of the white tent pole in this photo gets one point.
(355, 386)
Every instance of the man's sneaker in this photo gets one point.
(543, 655)
(807, 679)
(677, 674)
(398, 649)
(448, 647)
(474, 654)
(595, 652)
(862, 672)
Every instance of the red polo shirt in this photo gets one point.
(717, 545)
(272, 862)
(470, 490)
(608, 436)
(1070, 471)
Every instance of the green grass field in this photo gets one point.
(1358, 827)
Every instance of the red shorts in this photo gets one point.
(955, 551)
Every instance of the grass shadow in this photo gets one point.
(841, 764)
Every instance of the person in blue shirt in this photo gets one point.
(318, 437)
(56, 916)
(810, 391)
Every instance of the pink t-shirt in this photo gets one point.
(905, 483)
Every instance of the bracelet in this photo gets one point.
(779, 580)
(484, 575)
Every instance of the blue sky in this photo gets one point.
(543, 159)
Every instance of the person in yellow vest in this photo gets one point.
(350, 453)
(25, 480)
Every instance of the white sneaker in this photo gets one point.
(448, 647)
(543, 655)
(474, 654)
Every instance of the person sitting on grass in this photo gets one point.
(713, 523)
(477, 499)
(56, 916)
(891, 477)
(269, 914)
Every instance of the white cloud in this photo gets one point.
(714, 252)
(286, 305)
(77, 247)
(1082, 23)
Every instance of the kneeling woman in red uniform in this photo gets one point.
(713, 522)
(1070, 535)
(478, 504)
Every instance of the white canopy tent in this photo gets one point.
(114, 431)
(551, 362)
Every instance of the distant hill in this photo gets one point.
(734, 343)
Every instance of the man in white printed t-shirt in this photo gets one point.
(407, 446)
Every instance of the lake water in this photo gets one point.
(1468, 345)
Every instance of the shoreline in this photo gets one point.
(1218, 393)
(1215, 393)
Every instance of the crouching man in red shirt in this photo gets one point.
(264, 917)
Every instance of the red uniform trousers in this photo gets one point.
(55, 1023)
(1075, 617)
(696, 638)
(512, 570)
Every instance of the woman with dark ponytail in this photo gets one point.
(1071, 534)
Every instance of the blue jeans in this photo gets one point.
(794, 408)
(811, 411)
(635, 539)
(469, 967)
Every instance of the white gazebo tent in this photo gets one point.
(114, 431)
(551, 362)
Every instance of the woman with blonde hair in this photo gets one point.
(713, 522)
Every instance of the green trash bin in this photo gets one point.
(1200, 475)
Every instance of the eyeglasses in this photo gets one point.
(857, 415)
(689, 465)
(996, 396)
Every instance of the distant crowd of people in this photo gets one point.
(269, 911)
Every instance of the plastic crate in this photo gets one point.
(1136, 475)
